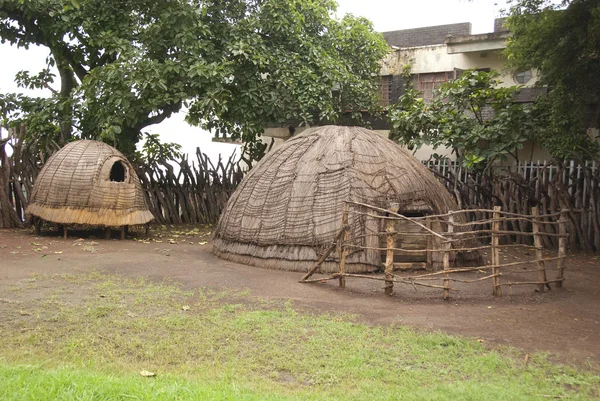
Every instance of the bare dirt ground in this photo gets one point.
(564, 322)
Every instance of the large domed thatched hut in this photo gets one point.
(89, 182)
(288, 209)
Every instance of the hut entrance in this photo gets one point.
(117, 172)
(410, 237)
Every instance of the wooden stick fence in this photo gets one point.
(450, 242)
(554, 186)
(183, 191)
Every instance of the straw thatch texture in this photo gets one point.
(288, 208)
(75, 187)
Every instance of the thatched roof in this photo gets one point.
(89, 182)
(289, 207)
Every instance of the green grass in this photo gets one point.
(87, 337)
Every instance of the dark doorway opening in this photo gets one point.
(117, 172)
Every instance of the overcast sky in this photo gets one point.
(387, 15)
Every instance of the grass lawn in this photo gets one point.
(88, 337)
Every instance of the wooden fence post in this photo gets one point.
(497, 290)
(428, 253)
(390, 225)
(539, 252)
(447, 248)
(343, 250)
(562, 247)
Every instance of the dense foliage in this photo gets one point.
(472, 115)
(235, 64)
(561, 40)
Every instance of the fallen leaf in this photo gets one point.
(202, 243)
(185, 307)
(489, 307)
(58, 252)
(8, 301)
(43, 256)
(145, 373)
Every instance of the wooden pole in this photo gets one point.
(562, 247)
(65, 231)
(390, 226)
(446, 259)
(37, 222)
(123, 233)
(343, 249)
(107, 233)
(539, 253)
(497, 289)
(147, 230)
(428, 253)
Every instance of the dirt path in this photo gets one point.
(563, 322)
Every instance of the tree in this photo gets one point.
(562, 42)
(472, 115)
(235, 64)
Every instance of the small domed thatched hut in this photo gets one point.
(289, 207)
(89, 182)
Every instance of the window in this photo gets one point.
(427, 83)
(522, 77)
(117, 172)
(385, 90)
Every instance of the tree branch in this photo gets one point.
(159, 118)
(51, 89)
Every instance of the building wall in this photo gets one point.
(435, 58)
